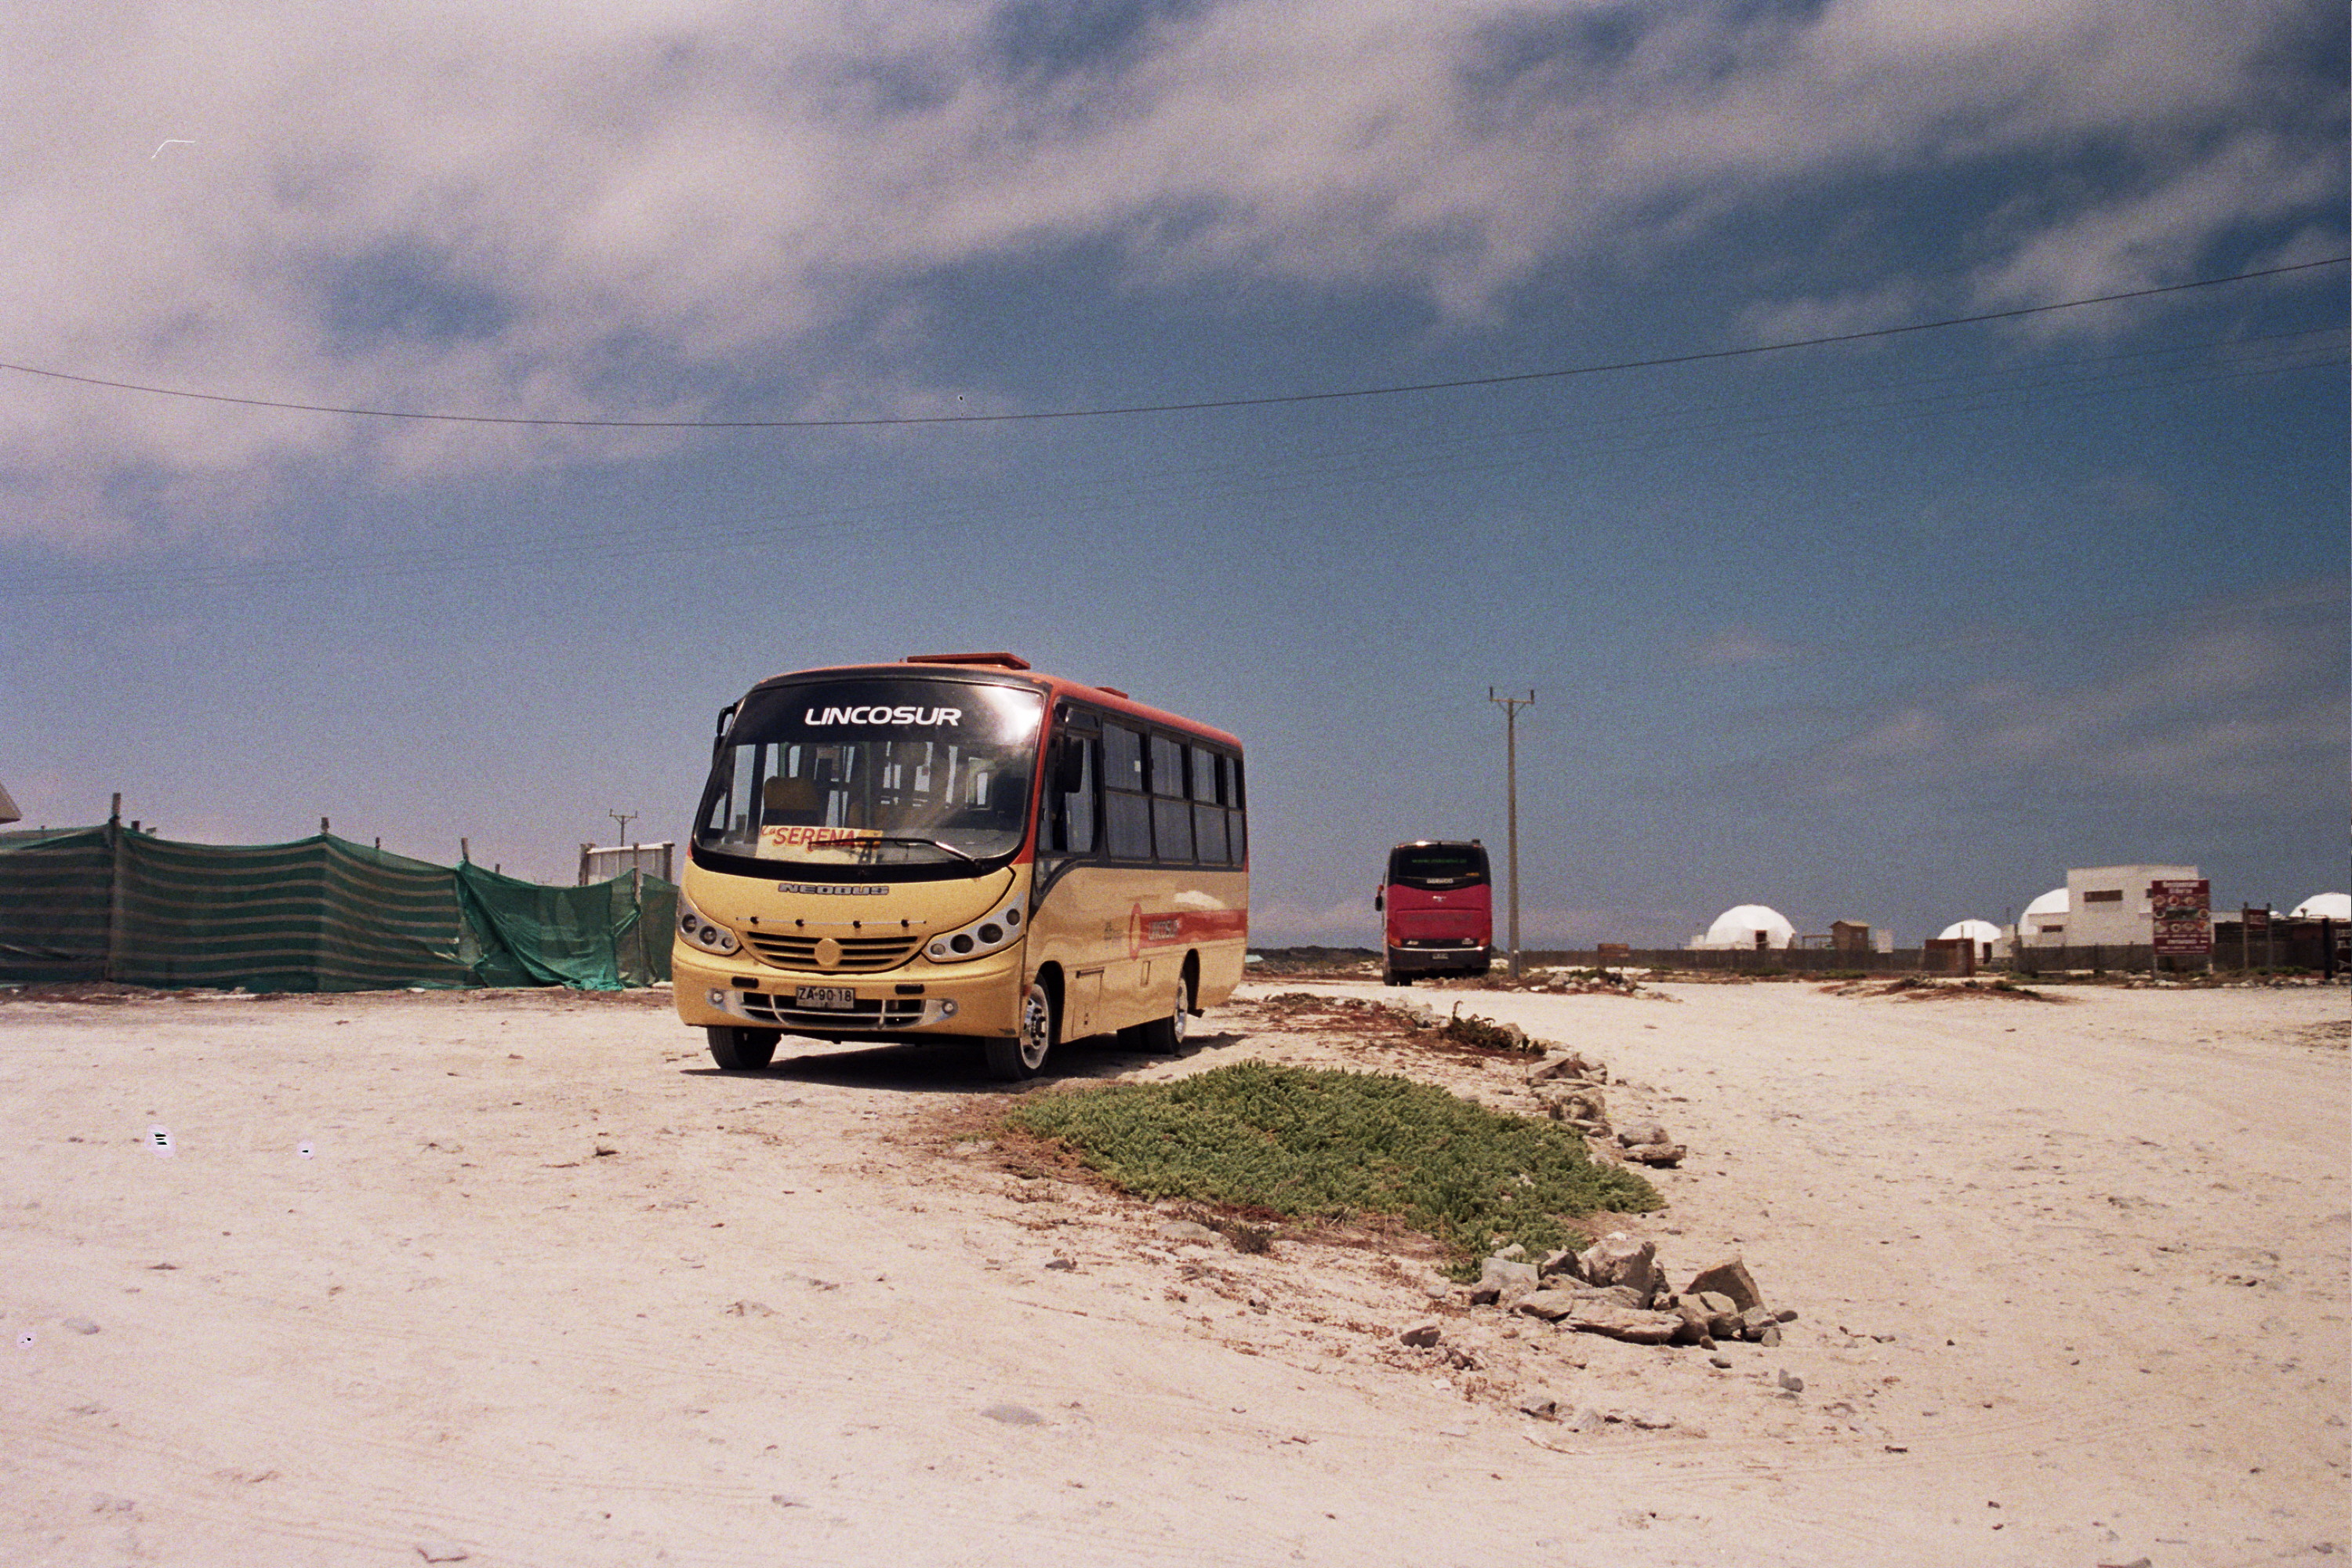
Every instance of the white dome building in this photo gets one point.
(1982, 935)
(2323, 906)
(2048, 911)
(1739, 927)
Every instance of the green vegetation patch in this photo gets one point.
(1320, 1144)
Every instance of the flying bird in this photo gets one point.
(171, 141)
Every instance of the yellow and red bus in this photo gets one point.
(955, 845)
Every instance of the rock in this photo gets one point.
(1656, 1154)
(1729, 1279)
(1720, 1363)
(441, 1551)
(1559, 1263)
(751, 1309)
(1515, 1252)
(1420, 1336)
(1014, 1416)
(1540, 1405)
(1790, 1382)
(1575, 1064)
(1642, 1132)
(1753, 1322)
(1187, 1230)
(1552, 1306)
(1770, 1336)
(1618, 1259)
(1785, 1315)
(1650, 1421)
(82, 1325)
(1509, 1280)
(1579, 1103)
(1698, 1326)
(1061, 1263)
(1627, 1324)
(1618, 1296)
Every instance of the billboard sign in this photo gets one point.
(2183, 915)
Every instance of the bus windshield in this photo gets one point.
(856, 774)
(1437, 865)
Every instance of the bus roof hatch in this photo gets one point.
(1001, 660)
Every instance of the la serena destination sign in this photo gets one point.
(2183, 912)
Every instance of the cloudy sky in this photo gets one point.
(1896, 628)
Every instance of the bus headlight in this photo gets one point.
(702, 930)
(999, 930)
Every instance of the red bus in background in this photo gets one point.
(1438, 910)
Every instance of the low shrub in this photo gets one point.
(1316, 1144)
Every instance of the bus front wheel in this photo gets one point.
(738, 1049)
(1024, 1056)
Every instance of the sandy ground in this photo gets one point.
(520, 1277)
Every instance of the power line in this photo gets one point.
(1264, 401)
(1355, 464)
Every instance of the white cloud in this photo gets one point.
(2237, 701)
(629, 209)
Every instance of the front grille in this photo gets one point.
(859, 954)
(871, 1012)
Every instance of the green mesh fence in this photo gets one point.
(319, 914)
(55, 893)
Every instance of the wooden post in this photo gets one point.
(115, 934)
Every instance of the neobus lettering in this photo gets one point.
(934, 717)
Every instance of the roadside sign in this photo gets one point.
(2183, 915)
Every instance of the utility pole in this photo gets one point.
(1510, 707)
(623, 818)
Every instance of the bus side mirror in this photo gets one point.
(1069, 764)
(1379, 901)
(719, 731)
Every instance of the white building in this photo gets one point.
(1984, 933)
(2323, 906)
(2043, 923)
(2100, 906)
(1747, 926)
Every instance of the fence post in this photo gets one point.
(114, 877)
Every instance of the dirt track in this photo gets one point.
(2071, 1281)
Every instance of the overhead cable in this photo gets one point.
(1267, 400)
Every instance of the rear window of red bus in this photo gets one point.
(1438, 866)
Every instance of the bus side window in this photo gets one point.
(1127, 810)
(1074, 809)
(1171, 817)
(1237, 817)
(1208, 817)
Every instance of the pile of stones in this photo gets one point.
(1571, 1089)
(1615, 1288)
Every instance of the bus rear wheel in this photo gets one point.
(1024, 1056)
(738, 1049)
(1165, 1036)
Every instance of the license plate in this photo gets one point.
(837, 998)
